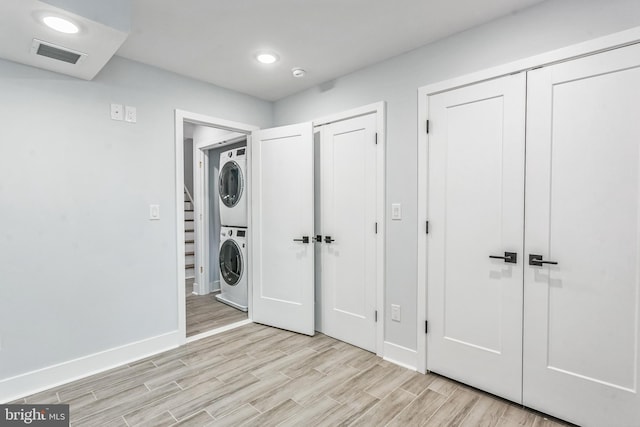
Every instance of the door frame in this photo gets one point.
(182, 116)
(379, 109)
(591, 47)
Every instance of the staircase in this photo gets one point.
(189, 237)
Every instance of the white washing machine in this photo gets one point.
(233, 267)
(232, 187)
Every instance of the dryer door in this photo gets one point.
(230, 262)
(230, 184)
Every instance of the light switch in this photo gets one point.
(116, 112)
(130, 114)
(154, 212)
(396, 211)
(395, 312)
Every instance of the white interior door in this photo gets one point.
(581, 319)
(282, 227)
(347, 184)
(475, 211)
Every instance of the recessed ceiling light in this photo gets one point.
(267, 58)
(60, 24)
(298, 72)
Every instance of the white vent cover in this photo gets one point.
(56, 52)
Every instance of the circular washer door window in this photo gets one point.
(230, 262)
(230, 184)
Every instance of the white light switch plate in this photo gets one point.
(116, 112)
(396, 211)
(395, 312)
(130, 114)
(154, 212)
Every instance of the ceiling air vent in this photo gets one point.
(59, 53)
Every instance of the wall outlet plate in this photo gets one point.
(154, 212)
(130, 114)
(117, 113)
(395, 312)
(396, 211)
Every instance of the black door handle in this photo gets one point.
(538, 261)
(305, 239)
(328, 239)
(509, 257)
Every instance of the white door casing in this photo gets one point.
(581, 317)
(348, 204)
(283, 211)
(476, 210)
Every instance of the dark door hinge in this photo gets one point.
(427, 227)
(376, 138)
(376, 228)
(375, 315)
(427, 126)
(426, 326)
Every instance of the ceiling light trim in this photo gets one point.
(61, 25)
(267, 58)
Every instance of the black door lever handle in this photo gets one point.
(328, 239)
(538, 261)
(509, 257)
(305, 239)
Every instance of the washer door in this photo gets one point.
(230, 262)
(230, 184)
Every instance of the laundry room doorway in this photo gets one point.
(216, 298)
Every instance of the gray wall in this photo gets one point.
(82, 269)
(550, 25)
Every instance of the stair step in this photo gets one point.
(190, 220)
(188, 266)
(189, 253)
(189, 241)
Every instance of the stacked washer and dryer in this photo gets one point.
(232, 188)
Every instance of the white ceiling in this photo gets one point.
(215, 40)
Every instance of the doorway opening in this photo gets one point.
(212, 218)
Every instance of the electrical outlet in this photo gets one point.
(396, 211)
(395, 312)
(117, 112)
(130, 114)
(154, 212)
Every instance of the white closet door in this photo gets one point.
(282, 227)
(476, 210)
(348, 158)
(581, 319)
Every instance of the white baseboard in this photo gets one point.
(52, 376)
(400, 355)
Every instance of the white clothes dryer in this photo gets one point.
(232, 187)
(233, 267)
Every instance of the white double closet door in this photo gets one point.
(561, 338)
(299, 213)
(346, 220)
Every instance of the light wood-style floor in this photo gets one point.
(205, 312)
(261, 376)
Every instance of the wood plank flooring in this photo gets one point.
(255, 375)
(205, 312)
